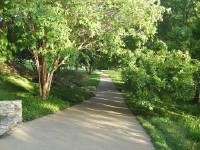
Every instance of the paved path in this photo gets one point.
(101, 123)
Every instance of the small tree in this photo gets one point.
(44, 32)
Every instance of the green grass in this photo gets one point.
(16, 87)
(116, 77)
(80, 78)
(92, 79)
(172, 125)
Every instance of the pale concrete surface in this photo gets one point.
(101, 123)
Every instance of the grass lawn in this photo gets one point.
(17, 87)
(80, 78)
(92, 79)
(171, 125)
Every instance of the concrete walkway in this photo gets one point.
(101, 123)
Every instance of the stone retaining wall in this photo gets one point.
(10, 115)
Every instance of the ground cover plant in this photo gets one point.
(14, 87)
(171, 124)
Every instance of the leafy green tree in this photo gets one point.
(44, 32)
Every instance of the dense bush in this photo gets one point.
(160, 75)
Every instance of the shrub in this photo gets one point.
(153, 76)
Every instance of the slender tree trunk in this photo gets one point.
(44, 79)
(38, 71)
(86, 68)
(77, 65)
(49, 82)
(90, 68)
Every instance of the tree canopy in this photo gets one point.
(56, 31)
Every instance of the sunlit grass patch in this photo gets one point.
(157, 136)
(92, 80)
(16, 87)
(34, 107)
(22, 82)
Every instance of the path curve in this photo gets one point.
(101, 123)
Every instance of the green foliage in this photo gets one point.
(160, 75)
(43, 28)
(180, 26)
(99, 27)
(6, 19)
(156, 45)
(172, 124)
(180, 38)
(3, 46)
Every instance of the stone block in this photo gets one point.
(10, 115)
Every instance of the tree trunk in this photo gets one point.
(77, 65)
(90, 68)
(38, 71)
(44, 79)
(86, 68)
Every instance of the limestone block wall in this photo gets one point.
(10, 115)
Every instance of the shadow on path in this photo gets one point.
(101, 123)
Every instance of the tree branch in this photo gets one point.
(63, 61)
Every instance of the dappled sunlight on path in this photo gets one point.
(101, 123)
